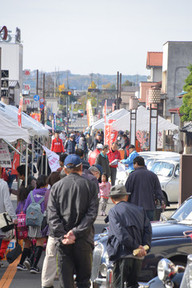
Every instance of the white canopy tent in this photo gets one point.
(40, 128)
(112, 116)
(143, 116)
(34, 127)
(11, 132)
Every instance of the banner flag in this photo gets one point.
(53, 159)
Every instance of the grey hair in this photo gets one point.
(93, 169)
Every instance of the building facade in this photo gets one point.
(177, 55)
(12, 60)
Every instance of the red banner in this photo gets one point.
(19, 111)
(108, 135)
(16, 161)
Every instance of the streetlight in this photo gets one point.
(133, 105)
(154, 99)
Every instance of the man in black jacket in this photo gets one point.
(144, 187)
(128, 239)
(72, 210)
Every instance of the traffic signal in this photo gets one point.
(67, 93)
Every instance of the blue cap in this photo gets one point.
(72, 161)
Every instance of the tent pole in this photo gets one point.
(12, 147)
(26, 165)
(32, 155)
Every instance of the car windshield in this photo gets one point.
(184, 212)
(162, 168)
(149, 163)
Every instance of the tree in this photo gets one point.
(186, 108)
(127, 83)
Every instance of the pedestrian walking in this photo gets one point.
(97, 140)
(22, 196)
(6, 206)
(129, 229)
(35, 208)
(144, 187)
(57, 144)
(81, 154)
(129, 161)
(83, 145)
(94, 153)
(72, 210)
(114, 157)
(102, 159)
(49, 268)
(70, 144)
(41, 165)
(104, 190)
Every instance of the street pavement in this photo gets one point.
(11, 278)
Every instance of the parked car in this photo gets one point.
(167, 167)
(80, 113)
(172, 276)
(168, 172)
(171, 239)
(169, 276)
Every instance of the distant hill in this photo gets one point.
(77, 81)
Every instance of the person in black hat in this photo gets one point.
(72, 210)
(129, 229)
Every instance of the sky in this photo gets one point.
(101, 36)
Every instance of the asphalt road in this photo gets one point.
(23, 279)
(12, 278)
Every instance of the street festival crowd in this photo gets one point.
(57, 209)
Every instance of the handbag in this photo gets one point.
(22, 229)
(14, 254)
(6, 222)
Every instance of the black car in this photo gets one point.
(171, 239)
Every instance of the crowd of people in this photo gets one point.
(66, 203)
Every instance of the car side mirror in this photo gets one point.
(176, 173)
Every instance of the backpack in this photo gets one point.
(34, 216)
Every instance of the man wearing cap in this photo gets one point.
(72, 210)
(57, 144)
(129, 161)
(129, 229)
(94, 153)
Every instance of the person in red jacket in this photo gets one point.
(113, 156)
(57, 144)
(94, 153)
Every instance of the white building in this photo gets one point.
(12, 60)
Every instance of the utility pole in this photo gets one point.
(37, 82)
(120, 88)
(117, 105)
(0, 73)
(43, 110)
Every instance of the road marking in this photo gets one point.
(9, 274)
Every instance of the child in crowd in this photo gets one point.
(104, 188)
(22, 196)
(39, 233)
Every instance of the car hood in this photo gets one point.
(164, 179)
(169, 229)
